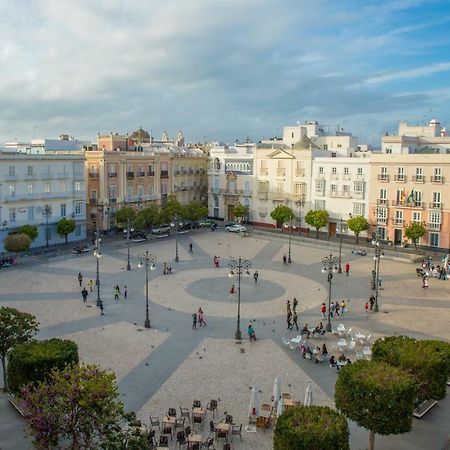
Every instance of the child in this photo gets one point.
(366, 306)
(251, 333)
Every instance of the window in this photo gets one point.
(383, 173)
(30, 171)
(11, 171)
(320, 170)
(383, 196)
(346, 172)
(299, 188)
(30, 188)
(140, 170)
(319, 204)
(129, 191)
(150, 169)
(400, 173)
(12, 190)
(77, 186)
(150, 190)
(333, 188)
(62, 186)
(280, 169)
(78, 208)
(334, 170)
(360, 171)
(263, 186)
(358, 209)
(63, 209)
(140, 191)
(346, 190)
(12, 215)
(398, 217)
(78, 230)
(419, 174)
(164, 188)
(247, 186)
(280, 186)
(382, 215)
(417, 217)
(112, 192)
(358, 186)
(434, 217)
(436, 199)
(129, 168)
(30, 213)
(47, 169)
(47, 188)
(437, 174)
(292, 135)
(112, 169)
(320, 185)
(417, 198)
(434, 239)
(325, 146)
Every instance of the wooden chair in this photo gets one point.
(184, 412)
(229, 419)
(172, 412)
(151, 438)
(196, 404)
(266, 407)
(209, 443)
(236, 430)
(187, 431)
(262, 422)
(167, 430)
(193, 446)
(212, 406)
(197, 418)
(222, 434)
(154, 422)
(179, 423)
(181, 438)
(163, 441)
(286, 395)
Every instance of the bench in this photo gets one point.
(158, 236)
(423, 408)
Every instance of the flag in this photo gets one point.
(411, 197)
(403, 197)
(398, 196)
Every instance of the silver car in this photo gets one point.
(236, 228)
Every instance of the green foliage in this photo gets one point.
(282, 214)
(377, 396)
(171, 209)
(33, 361)
(125, 214)
(17, 243)
(240, 211)
(311, 428)
(194, 211)
(317, 219)
(427, 361)
(78, 408)
(16, 327)
(415, 231)
(65, 226)
(148, 217)
(30, 230)
(358, 224)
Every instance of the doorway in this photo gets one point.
(230, 212)
(398, 235)
(332, 229)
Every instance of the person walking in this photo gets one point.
(80, 278)
(251, 333)
(101, 308)
(201, 318)
(332, 310)
(284, 260)
(116, 292)
(289, 319)
(232, 290)
(190, 248)
(371, 302)
(366, 307)
(91, 285)
(294, 320)
(125, 292)
(288, 306)
(194, 320)
(255, 276)
(323, 310)
(336, 308)
(343, 306)
(84, 294)
(294, 305)
(347, 269)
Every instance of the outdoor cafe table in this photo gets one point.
(360, 336)
(264, 413)
(223, 426)
(341, 327)
(201, 411)
(169, 420)
(195, 438)
(288, 402)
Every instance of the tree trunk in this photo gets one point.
(357, 238)
(66, 238)
(317, 233)
(371, 440)
(415, 244)
(4, 374)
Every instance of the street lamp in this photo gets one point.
(329, 265)
(289, 260)
(175, 225)
(300, 203)
(340, 246)
(147, 260)
(128, 244)
(47, 212)
(376, 278)
(98, 255)
(237, 267)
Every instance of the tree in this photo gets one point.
(65, 226)
(148, 217)
(30, 230)
(15, 327)
(171, 209)
(33, 361)
(77, 408)
(240, 211)
(415, 231)
(317, 219)
(427, 361)
(125, 215)
(358, 224)
(17, 243)
(377, 396)
(194, 211)
(282, 214)
(311, 427)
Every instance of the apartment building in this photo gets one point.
(230, 179)
(41, 189)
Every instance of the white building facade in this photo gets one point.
(41, 189)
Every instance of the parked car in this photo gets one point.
(207, 223)
(163, 229)
(138, 236)
(230, 224)
(236, 228)
(78, 249)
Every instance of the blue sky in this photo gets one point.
(221, 69)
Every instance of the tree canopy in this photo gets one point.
(16, 327)
(414, 231)
(65, 226)
(17, 243)
(194, 211)
(125, 214)
(357, 224)
(240, 211)
(171, 209)
(282, 214)
(317, 219)
(148, 217)
(30, 230)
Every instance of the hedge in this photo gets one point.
(33, 361)
(311, 428)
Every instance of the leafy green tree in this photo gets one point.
(377, 396)
(65, 226)
(148, 217)
(415, 231)
(171, 209)
(30, 230)
(17, 243)
(125, 215)
(240, 211)
(16, 327)
(33, 361)
(358, 224)
(427, 361)
(317, 219)
(311, 427)
(194, 211)
(78, 408)
(282, 214)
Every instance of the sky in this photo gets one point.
(221, 69)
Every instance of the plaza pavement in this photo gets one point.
(171, 364)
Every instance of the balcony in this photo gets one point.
(340, 194)
(263, 194)
(434, 226)
(112, 200)
(141, 198)
(130, 175)
(418, 179)
(190, 171)
(382, 201)
(281, 172)
(214, 190)
(30, 176)
(93, 175)
(383, 177)
(436, 205)
(264, 172)
(398, 222)
(334, 176)
(359, 194)
(150, 173)
(93, 215)
(414, 204)
(382, 220)
(400, 178)
(164, 174)
(11, 177)
(320, 192)
(141, 174)
(247, 193)
(300, 172)
(438, 179)
(112, 175)
(213, 171)
(93, 201)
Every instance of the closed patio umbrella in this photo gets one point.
(280, 407)
(308, 394)
(276, 390)
(253, 408)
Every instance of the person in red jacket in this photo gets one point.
(347, 269)
(323, 310)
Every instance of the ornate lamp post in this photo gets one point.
(98, 255)
(175, 225)
(47, 212)
(300, 203)
(128, 244)
(329, 265)
(340, 246)
(237, 267)
(147, 260)
(376, 279)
